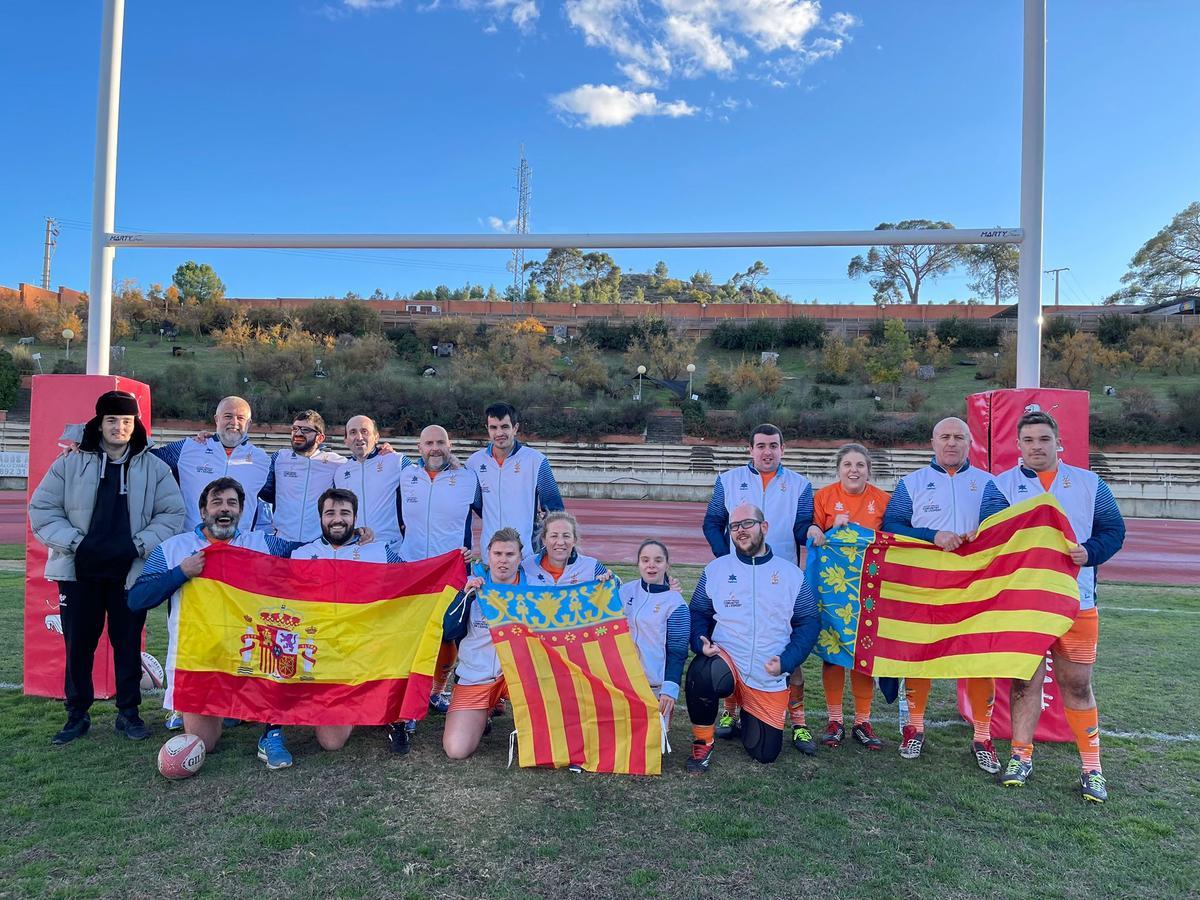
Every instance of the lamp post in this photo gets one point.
(691, 370)
(67, 334)
(641, 370)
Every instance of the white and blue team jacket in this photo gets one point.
(435, 512)
(478, 662)
(578, 570)
(196, 465)
(374, 552)
(294, 482)
(930, 500)
(755, 608)
(162, 579)
(376, 482)
(514, 493)
(787, 506)
(660, 627)
(1090, 507)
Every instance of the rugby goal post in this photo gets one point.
(106, 239)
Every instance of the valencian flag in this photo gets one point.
(578, 689)
(893, 606)
(311, 641)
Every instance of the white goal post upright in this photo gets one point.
(105, 239)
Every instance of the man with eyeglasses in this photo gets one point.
(754, 620)
(298, 476)
(787, 499)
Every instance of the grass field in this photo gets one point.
(95, 819)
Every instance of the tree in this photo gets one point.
(603, 276)
(562, 266)
(886, 364)
(198, 281)
(237, 336)
(1166, 265)
(660, 269)
(994, 268)
(906, 267)
(702, 279)
(749, 280)
(334, 317)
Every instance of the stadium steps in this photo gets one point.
(662, 428)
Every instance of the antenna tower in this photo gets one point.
(518, 262)
(48, 251)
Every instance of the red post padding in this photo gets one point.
(57, 401)
(992, 417)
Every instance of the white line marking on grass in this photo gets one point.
(1156, 736)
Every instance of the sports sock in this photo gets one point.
(706, 733)
(445, 663)
(862, 687)
(730, 707)
(981, 692)
(1085, 725)
(796, 704)
(918, 696)
(834, 680)
(1024, 752)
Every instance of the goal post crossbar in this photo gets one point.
(607, 241)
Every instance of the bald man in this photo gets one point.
(437, 499)
(226, 453)
(374, 478)
(940, 503)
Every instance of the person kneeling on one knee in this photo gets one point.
(754, 620)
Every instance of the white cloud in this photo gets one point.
(656, 39)
(605, 105)
(522, 13)
(504, 226)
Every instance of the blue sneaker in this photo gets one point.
(410, 726)
(174, 721)
(272, 751)
(440, 703)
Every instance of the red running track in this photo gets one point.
(1157, 551)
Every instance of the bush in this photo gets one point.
(1059, 327)
(64, 366)
(334, 317)
(10, 380)
(969, 335)
(1113, 329)
(915, 399)
(820, 398)
(802, 332)
(605, 336)
(759, 335)
(1187, 407)
(406, 343)
(694, 419)
(267, 316)
(716, 392)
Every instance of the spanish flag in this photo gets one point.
(578, 689)
(311, 642)
(894, 606)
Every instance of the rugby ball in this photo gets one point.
(181, 757)
(153, 675)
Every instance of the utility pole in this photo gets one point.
(48, 251)
(1055, 273)
(518, 261)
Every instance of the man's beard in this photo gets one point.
(755, 546)
(342, 538)
(221, 531)
(305, 446)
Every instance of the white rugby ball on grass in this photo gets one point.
(181, 757)
(153, 675)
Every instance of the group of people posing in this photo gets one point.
(127, 525)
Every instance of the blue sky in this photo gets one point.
(676, 115)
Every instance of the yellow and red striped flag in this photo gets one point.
(310, 641)
(578, 689)
(894, 606)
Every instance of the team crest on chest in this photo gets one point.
(839, 506)
(871, 507)
(775, 577)
(1066, 482)
(973, 486)
(379, 465)
(732, 600)
(516, 468)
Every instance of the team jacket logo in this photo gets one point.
(732, 600)
(516, 468)
(1021, 489)
(291, 473)
(973, 487)
(346, 472)
(775, 578)
(744, 487)
(839, 506)
(929, 486)
(732, 578)
(483, 467)
(413, 480)
(283, 650)
(206, 469)
(871, 507)
(1066, 482)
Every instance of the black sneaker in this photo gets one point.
(1093, 786)
(131, 725)
(400, 739)
(77, 726)
(865, 735)
(802, 740)
(1017, 772)
(701, 757)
